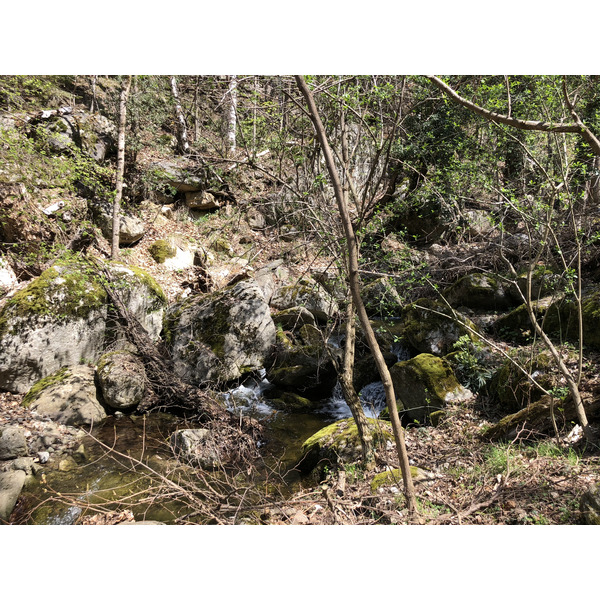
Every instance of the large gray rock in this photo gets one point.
(61, 319)
(131, 228)
(68, 397)
(307, 293)
(180, 174)
(11, 484)
(122, 379)
(12, 443)
(221, 336)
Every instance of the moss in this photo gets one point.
(149, 282)
(394, 477)
(340, 441)
(33, 394)
(290, 401)
(64, 291)
(161, 250)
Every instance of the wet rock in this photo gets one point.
(196, 446)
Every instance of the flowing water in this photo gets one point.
(109, 472)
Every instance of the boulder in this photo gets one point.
(429, 326)
(175, 253)
(480, 291)
(220, 336)
(294, 318)
(8, 279)
(589, 505)
(423, 385)
(201, 200)
(122, 379)
(381, 298)
(68, 396)
(512, 390)
(11, 484)
(13, 443)
(131, 228)
(61, 319)
(180, 175)
(392, 478)
(301, 363)
(339, 443)
(196, 447)
(307, 293)
(562, 320)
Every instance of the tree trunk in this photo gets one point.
(354, 284)
(352, 398)
(232, 114)
(120, 167)
(182, 136)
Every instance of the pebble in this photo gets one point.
(44, 457)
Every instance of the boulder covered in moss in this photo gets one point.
(68, 396)
(423, 385)
(516, 326)
(340, 443)
(301, 363)
(562, 319)
(307, 293)
(431, 327)
(176, 253)
(61, 319)
(61, 129)
(220, 336)
(480, 291)
(122, 379)
(511, 389)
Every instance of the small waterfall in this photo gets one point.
(246, 399)
(372, 398)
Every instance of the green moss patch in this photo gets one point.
(44, 383)
(161, 250)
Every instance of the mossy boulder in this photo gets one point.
(340, 443)
(61, 319)
(289, 401)
(423, 385)
(301, 363)
(68, 397)
(516, 326)
(294, 318)
(480, 291)
(562, 320)
(431, 327)
(94, 134)
(176, 253)
(307, 293)
(220, 336)
(510, 387)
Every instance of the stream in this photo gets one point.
(108, 471)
